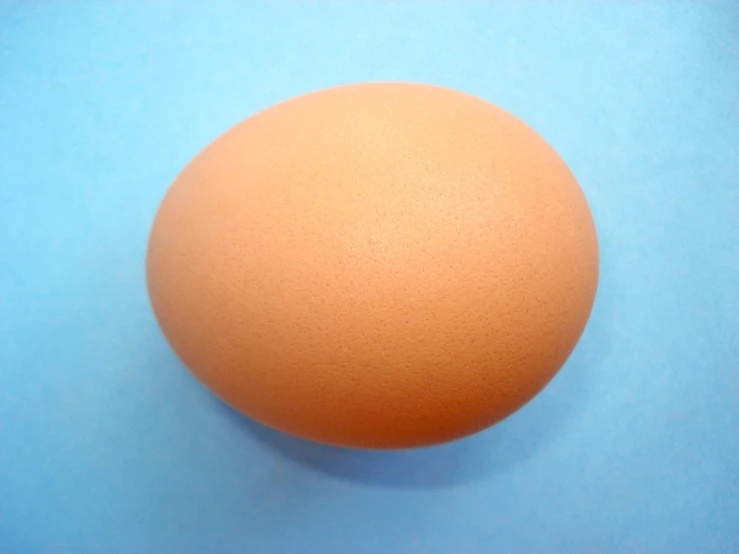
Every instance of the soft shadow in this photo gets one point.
(511, 442)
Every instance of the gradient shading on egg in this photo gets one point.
(380, 265)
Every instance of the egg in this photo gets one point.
(377, 265)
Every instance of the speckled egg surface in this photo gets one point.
(379, 265)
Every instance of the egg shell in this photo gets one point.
(380, 265)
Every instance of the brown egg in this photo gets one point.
(380, 265)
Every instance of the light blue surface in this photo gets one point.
(107, 445)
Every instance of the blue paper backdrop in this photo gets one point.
(107, 445)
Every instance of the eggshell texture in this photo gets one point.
(379, 265)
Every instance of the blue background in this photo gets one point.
(107, 444)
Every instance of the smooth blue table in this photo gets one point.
(108, 445)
